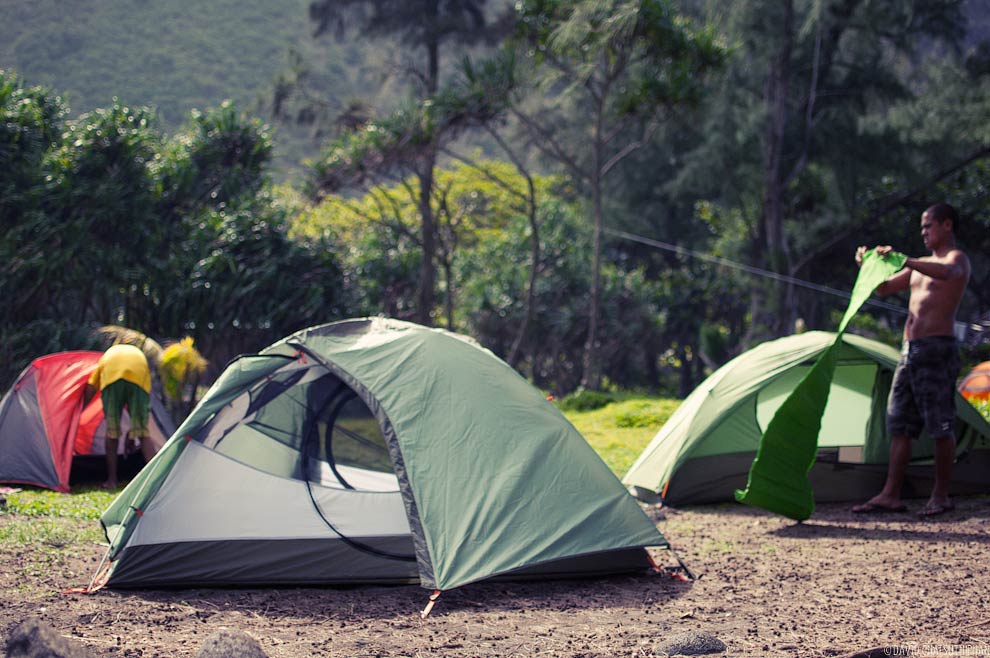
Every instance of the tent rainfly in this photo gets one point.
(703, 453)
(976, 384)
(43, 425)
(373, 451)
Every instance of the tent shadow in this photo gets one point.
(836, 521)
(398, 602)
(907, 528)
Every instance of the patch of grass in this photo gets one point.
(717, 546)
(50, 520)
(84, 503)
(621, 430)
(42, 534)
(646, 413)
(45, 530)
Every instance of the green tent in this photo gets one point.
(703, 453)
(373, 450)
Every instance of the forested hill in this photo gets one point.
(173, 56)
(179, 55)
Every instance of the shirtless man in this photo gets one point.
(923, 392)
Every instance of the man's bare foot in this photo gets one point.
(936, 507)
(879, 505)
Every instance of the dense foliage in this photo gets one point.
(106, 221)
(621, 174)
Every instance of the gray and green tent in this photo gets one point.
(378, 451)
(704, 452)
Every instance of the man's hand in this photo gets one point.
(882, 251)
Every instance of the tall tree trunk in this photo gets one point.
(534, 269)
(686, 371)
(427, 277)
(775, 98)
(591, 378)
(448, 298)
(591, 369)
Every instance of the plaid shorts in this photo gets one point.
(923, 395)
(122, 393)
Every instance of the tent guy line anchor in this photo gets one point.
(429, 606)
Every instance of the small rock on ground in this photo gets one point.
(691, 644)
(33, 638)
(227, 643)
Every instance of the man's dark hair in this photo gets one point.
(943, 211)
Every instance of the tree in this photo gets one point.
(427, 26)
(621, 63)
(216, 164)
(30, 128)
(472, 199)
(101, 230)
(793, 140)
(493, 281)
(253, 283)
(230, 274)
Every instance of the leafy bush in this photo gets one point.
(21, 343)
(584, 400)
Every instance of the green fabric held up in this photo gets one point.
(778, 479)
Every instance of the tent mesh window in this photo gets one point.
(306, 424)
(848, 419)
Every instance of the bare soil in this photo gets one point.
(766, 586)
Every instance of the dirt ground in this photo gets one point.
(766, 586)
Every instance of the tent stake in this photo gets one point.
(99, 578)
(674, 572)
(429, 606)
(684, 567)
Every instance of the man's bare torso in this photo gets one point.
(933, 303)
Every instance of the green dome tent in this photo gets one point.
(373, 451)
(704, 451)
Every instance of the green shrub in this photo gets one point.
(584, 400)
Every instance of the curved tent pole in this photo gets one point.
(304, 450)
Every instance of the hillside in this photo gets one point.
(174, 56)
(184, 54)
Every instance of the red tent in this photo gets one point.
(976, 385)
(43, 425)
